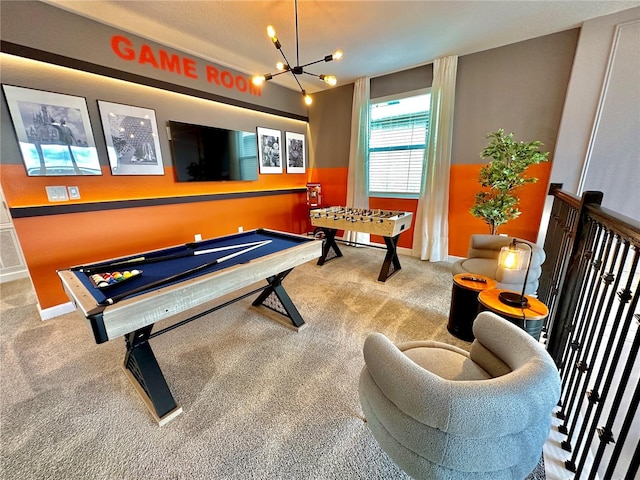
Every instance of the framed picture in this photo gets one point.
(269, 150)
(296, 157)
(132, 139)
(53, 131)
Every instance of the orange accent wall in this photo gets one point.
(52, 242)
(21, 190)
(58, 241)
(462, 189)
(334, 184)
(463, 186)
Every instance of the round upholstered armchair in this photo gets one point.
(440, 412)
(482, 258)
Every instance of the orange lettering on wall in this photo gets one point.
(146, 56)
(174, 63)
(241, 83)
(212, 75)
(254, 90)
(227, 79)
(189, 68)
(122, 47)
(170, 62)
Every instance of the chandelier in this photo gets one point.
(297, 69)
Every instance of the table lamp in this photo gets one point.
(513, 258)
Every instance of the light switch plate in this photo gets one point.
(57, 194)
(74, 193)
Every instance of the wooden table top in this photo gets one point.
(535, 311)
(464, 280)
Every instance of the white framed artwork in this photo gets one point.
(131, 134)
(269, 150)
(296, 152)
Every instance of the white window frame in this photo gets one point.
(388, 98)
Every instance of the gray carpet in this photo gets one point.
(260, 400)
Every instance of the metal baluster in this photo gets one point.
(631, 411)
(610, 362)
(611, 282)
(573, 347)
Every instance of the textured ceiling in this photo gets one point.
(377, 37)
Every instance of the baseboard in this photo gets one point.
(10, 277)
(56, 311)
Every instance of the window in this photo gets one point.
(398, 132)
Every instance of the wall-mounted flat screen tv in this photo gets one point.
(209, 154)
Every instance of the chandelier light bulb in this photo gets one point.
(329, 79)
(296, 69)
(258, 80)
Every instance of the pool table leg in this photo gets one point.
(275, 297)
(143, 370)
(391, 262)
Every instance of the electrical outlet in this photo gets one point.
(240, 229)
(57, 194)
(197, 237)
(74, 193)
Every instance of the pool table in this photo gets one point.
(173, 280)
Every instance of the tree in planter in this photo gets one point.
(503, 176)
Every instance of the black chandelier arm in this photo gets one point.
(271, 75)
(320, 76)
(324, 59)
(297, 81)
(285, 58)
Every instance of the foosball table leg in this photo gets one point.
(329, 247)
(391, 264)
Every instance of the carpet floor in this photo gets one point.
(261, 401)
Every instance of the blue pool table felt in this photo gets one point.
(155, 271)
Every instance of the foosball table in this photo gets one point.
(388, 224)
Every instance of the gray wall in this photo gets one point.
(44, 27)
(167, 105)
(330, 127)
(519, 87)
(400, 82)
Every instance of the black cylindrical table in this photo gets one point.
(464, 303)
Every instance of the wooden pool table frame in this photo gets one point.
(135, 317)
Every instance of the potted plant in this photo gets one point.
(497, 203)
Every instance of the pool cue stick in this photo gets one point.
(178, 276)
(142, 260)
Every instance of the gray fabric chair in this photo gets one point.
(482, 259)
(440, 412)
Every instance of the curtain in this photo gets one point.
(357, 195)
(431, 230)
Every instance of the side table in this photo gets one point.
(464, 303)
(529, 318)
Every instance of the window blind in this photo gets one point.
(397, 137)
